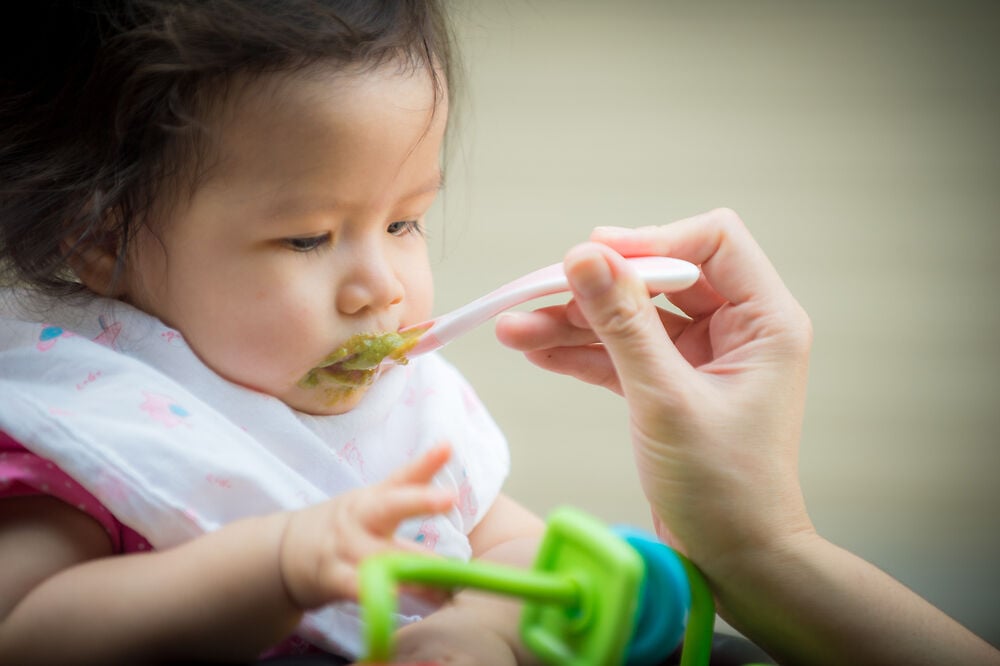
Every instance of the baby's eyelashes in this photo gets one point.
(307, 243)
(404, 227)
(316, 242)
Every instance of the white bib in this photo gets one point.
(119, 402)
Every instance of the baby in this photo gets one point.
(201, 205)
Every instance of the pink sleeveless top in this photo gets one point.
(23, 474)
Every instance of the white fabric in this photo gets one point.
(119, 402)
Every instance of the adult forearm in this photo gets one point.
(219, 596)
(813, 602)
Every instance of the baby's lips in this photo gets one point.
(367, 351)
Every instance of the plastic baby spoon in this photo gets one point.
(661, 275)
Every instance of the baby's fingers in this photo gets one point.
(381, 512)
(423, 469)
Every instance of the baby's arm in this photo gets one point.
(477, 627)
(69, 602)
(227, 595)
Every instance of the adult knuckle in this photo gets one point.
(727, 218)
(800, 329)
(728, 223)
(791, 325)
(624, 319)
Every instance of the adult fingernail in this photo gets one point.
(590, 274)
(607, 231)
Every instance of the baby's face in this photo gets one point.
(306, 231)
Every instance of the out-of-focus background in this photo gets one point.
(859, 141)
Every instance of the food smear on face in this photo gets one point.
(357, 362)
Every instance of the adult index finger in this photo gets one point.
(717, 241)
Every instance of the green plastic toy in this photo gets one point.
(583, 598)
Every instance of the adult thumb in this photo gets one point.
(616, 304)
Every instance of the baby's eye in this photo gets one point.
(405, 227)
(308, 243)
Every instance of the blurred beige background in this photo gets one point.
(859, 141)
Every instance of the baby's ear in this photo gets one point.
(95, 260)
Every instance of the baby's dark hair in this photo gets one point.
(103, 103)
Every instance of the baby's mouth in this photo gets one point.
(359, 360)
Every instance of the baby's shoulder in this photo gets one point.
(37, 482)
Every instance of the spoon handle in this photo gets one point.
(661, 275)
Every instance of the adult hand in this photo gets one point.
(715, 397)
(716, 403)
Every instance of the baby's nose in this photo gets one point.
(370, 283)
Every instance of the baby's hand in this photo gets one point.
(323, 545)
(454, 637)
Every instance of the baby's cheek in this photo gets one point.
(262, 355)
(419, 297)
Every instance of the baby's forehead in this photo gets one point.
(312, 130)
(412, 84)
(249, 105)
(238, 116)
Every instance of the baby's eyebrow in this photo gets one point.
(434, 185)
(282, 205)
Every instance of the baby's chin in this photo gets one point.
(325, 400)
(326, 397)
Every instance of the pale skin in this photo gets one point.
(306, 231)
(716, 405)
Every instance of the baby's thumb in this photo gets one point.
(617, 306)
